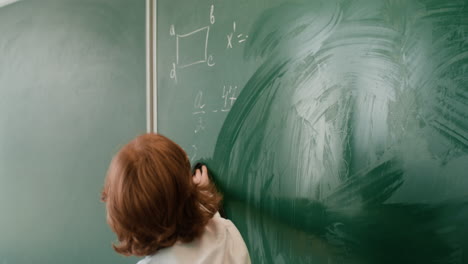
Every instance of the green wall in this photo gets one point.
(72, 90)
(337, 130)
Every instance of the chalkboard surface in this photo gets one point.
(337, 130)
(72, 90)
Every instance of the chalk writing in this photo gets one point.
(229, 96)
(240, 37)
(173, 73)
(190, 58)
(192, 47)
(200, 125)
(172, 31)
(193, 154)
(212, 18)
(198, 104)
(210, 61)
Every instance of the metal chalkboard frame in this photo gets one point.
(151, 73)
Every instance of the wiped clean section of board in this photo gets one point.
(337, 130)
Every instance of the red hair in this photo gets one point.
(151, 199)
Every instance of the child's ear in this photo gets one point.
(103, 195)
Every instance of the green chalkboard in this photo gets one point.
(337, 129)
(72, 90)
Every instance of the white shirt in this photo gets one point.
(220, 243)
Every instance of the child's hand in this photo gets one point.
(201, 177)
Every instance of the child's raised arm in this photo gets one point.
(200, 177)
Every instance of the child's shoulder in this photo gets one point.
(146, 260)
(221, 242)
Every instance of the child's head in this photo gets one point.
(151, 199)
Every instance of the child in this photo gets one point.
(159, 210)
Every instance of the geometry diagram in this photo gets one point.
(191, 48)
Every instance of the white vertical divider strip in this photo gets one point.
(151, 81)
(7, 2)
(155, 65)
(148, 68)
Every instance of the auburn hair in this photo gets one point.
(151, 199)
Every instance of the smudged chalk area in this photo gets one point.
(349, 143)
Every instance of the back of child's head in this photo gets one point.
(151, 199)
